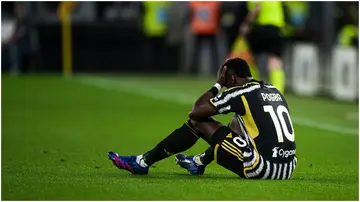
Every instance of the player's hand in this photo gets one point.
(221, 75)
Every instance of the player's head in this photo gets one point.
(238, 72)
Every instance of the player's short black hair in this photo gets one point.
(238, 67)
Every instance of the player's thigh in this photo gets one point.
(234, 125)
(230, 150)
(207, 127)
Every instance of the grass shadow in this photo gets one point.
(217, 177)
(170, 176)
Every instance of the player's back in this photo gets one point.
(267, 120)
(264, 119)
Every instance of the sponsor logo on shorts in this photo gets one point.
(282, 153)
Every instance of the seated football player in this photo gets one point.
(259, 142)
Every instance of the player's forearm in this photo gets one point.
(202, 107)
(208, 95)
(203, 99)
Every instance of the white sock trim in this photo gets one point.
(197, 160)
(141, 162)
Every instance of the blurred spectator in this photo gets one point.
(16, 42)
(347, 15)
(262, 26)
(204, 24)
(7, 9)
(154, 27)
(176, 25)
(349, 36)
(125, 12)
(52, 6)
(297, 13)
(233, 14)
(102, 8)
(129, 11)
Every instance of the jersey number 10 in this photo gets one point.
(279, 115)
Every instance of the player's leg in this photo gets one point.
(206, 127)
(179, 140)
(230, 150)
(196, 164)
(207, 156)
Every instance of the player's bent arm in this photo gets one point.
(228, 101)
(202, 111)
(204, 99)
(202, 107)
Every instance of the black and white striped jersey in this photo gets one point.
(264, 117)
(265, 169)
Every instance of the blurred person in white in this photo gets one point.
(16, 38)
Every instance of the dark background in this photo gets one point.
(101, 44)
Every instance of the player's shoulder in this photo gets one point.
(249, 87)
(242, 87)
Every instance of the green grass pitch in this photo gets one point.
(56, 133)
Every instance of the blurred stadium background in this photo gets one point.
(83, 78)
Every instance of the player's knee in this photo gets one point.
(198, 125)
(219, 135)
(194, 124)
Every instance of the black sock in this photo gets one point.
(180, 140)
(207, 157)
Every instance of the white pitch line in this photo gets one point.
(180, 98)
(323, 126)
